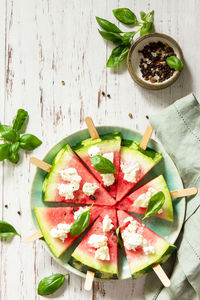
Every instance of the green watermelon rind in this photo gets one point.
(168, 252)
(136, 146)
(84, 268)
(89, 142)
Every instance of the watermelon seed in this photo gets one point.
(92, 197)
(107, 188)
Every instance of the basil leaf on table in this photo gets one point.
(7, 230)
(8, 133)
(20, 121)
(108, 26)
(29, 142)
(103, 165)
(117, 56)
(48, 285)
(119, 239)
(147, 27)
(81, 223)
(111, 36)
(147, 17)
(125, 15)
(4, 151)
(127, 37)
(175, 63)
(154, 205)
(14, 158)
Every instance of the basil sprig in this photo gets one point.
(119, 239)
(12, 141)
(48, 285)
(81, 223)
(7, 230)
(175, 63)
(122, 39)
(154, 205)
(103, 165)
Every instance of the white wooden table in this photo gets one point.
(43, 43)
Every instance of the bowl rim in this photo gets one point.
(101, 128)
(148, 85)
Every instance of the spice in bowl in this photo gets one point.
(153, 65)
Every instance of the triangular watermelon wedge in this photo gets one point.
(83, 258)
(135, 201)
(108, 144)
(49, 217)
(154, 248)
(67, 159)
(136, 163)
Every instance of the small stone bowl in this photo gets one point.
(133, 59)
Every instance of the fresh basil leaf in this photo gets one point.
(111, 36)
(143, 16)
(48, 285)
(147, 27)
(14, 158)
(117, 56)
(29, 142)
(147, 17)
(7, 230)
(103, 165)
(20, 121)
(154, 205)
(80, 224)
(8, 133)
(119, 239)
(125, 15)
(175, 63)
(108, 26)
(127, 37)
(4, 151)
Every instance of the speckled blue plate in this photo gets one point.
(168, 230)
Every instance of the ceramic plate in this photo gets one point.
(168, 230)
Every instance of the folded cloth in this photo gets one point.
(178, 128)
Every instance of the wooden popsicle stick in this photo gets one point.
(89, 280)
(146, 137)
(162, 275)
(40, 164)
(184, 192)
(35, 236)
(92, 129)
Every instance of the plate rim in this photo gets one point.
(101, 128)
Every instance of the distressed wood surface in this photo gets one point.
(43, 43)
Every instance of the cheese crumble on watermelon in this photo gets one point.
(143, 247)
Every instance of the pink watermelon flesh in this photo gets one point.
(139, 263)
(49, 217)
(106, 146)
(70, 160)
(159, 184)
(85, 254)
(146, 163)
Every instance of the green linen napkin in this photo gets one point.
(178, 128)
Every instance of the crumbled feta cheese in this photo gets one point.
(108, 179)
(148, 250)
(107, 223)
(102, 253)
(109, 156)
(66, 190)
(97, 240)
(78, 212)
(94, 150)
(129, 219)
(61, 231)
(142, 200)
(130, 171)
(90, 188)
(70, 175)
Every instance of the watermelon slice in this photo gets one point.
(67, 159)
(107, 144)
(83, 258)
(133, 203)
(136, 163)
(153, 250)
(50, 217)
